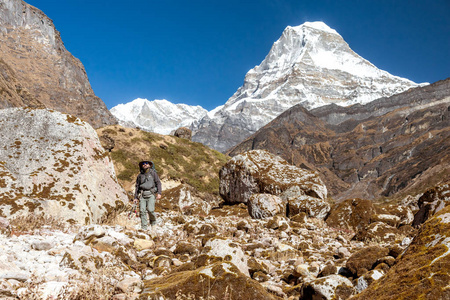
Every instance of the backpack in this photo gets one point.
(147, 181)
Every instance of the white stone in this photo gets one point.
(224, 248)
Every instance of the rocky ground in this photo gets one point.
(211, 250)
(278, 253)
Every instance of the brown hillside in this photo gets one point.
(391, 147)
(175, 159)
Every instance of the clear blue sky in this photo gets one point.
(198, 51)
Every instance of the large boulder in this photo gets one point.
(259, 171)
(351, 214)
(184, 133)
(422, 272)
(54, 164)
(365, 259)
(431, 202)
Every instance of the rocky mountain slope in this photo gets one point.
(54, 164)
(159, 116)
(392, 145)
(311, 65)
(36, 70)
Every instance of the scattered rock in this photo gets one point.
(329, 287)
(328, 270)
(431, 202)
(390, 220)
(184, 133)
(313, 207)
(41, 245)
(378, 231)
(351, 214)
(261, 206)
(364, 281)
(228, 251)
(185, 199)
(422, 271)
(402, 212)
(130, 285)
(364, 260)
(141, 244)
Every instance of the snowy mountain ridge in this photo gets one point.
(160, 116)
(310, 64)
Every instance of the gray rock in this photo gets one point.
(261, 206)
(327, 288)
(183, 132)
(58, 164)
(41, 245)
(260, 171)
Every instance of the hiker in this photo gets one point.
(148, 190)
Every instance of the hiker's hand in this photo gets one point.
(158, 196)
(135, 200)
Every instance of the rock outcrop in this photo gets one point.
(183, 132)
(36, 70)
(262, 172)
(431, 202)
(53, 164)
(391, 146)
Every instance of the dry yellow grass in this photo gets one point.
(175, 159)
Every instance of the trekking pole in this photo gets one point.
(132, 211)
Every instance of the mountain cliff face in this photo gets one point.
(159, 116)
(310, 65)
(399, 144)
(36, 70)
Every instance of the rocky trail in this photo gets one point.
(221, 252)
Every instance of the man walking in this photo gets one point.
(148, 190)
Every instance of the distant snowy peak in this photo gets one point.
(311, 65)
(160, 116)
(312, 55)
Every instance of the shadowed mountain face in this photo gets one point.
(391, 146)
(36, 70)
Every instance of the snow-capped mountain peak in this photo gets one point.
(160, 116)
(309, 64)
